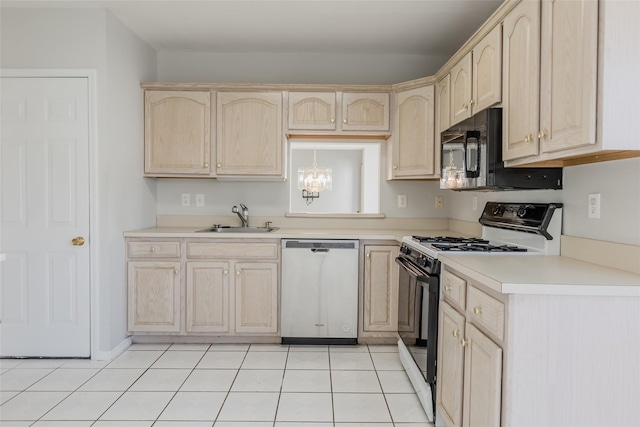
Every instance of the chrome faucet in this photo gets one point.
(244, 215)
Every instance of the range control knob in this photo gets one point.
(422, 260)
(498, 210)
(405, 250)
(522, 212)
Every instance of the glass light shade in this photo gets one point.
(314, 179)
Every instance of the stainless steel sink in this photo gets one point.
(230, 229)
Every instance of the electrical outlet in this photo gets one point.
(474, 203)
(200, 200)
(594, 206)
(439, 202)
(402, 201)
(186, 199)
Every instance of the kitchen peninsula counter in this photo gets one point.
(543, 275)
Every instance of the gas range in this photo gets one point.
(507, 228)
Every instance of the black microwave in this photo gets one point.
(472, 159)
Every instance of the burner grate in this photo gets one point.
(449, 240)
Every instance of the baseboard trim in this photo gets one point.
(115, 352)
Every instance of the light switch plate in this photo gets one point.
(439, 201)
(199, 200)
(186, 199)
(402, 200)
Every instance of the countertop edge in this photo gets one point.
(619, 283)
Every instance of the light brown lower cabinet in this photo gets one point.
(379, 301)
(227, 287)
(153, 296)
(207, 295)
(469, 362)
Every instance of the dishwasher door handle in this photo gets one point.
(319, 250)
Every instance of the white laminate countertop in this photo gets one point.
(289, 233)
(543, 275)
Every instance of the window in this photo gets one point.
(356, 176)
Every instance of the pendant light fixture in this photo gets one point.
(312, 180)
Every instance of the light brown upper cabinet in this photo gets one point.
(312, 110)
(348, 112)
(249, 134)
(177, 133)
(365, 111)
(414, 153)
(443, 105)
(563, 104)
(476, 78)
(556, 44)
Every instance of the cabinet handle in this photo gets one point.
(152, 249)
(395, 167)
(465, 107)
(206, 165)
(540, 135)
(455, 332)
(526, 138)
(471, 102)
(464, 342)
(447, 288)
(219, 165)
(175, 271)
(477, 309)
(237, 272)
(225, 272)
(333, 120)
(368, 254)
(344, 121)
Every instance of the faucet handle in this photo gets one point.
(267, 225)
(244, 208)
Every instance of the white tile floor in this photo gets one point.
(196, 385)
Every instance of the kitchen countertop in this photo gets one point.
(543, 275)
(289, 233)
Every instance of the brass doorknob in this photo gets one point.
(78, 241)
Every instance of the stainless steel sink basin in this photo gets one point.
(230, 229)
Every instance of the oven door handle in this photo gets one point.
(412, 269)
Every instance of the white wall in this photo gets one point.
(618, 183)
(216, 67)
(127, 200)
(93, 39)
(272, 198)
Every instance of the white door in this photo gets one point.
(44, 282)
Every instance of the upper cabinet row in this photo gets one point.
(248, 128)
(569, 85)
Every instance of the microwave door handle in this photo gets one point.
(468, 135)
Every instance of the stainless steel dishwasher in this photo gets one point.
(319, 291)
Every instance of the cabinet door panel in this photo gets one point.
(482, 380)
(207, 297)
(380, 289)
(177, 129)
(569, 65)
(443, 105)
(450, 365)
(487, 70)
(365, 111)
(521, 81)
(249, 134)
(153, 296)
(256, 297)
(414, 134)
(312, 110)
(461, 90)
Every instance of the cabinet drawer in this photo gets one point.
(486, 311)
(153, 249)
(454, 289)
(232, 250)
